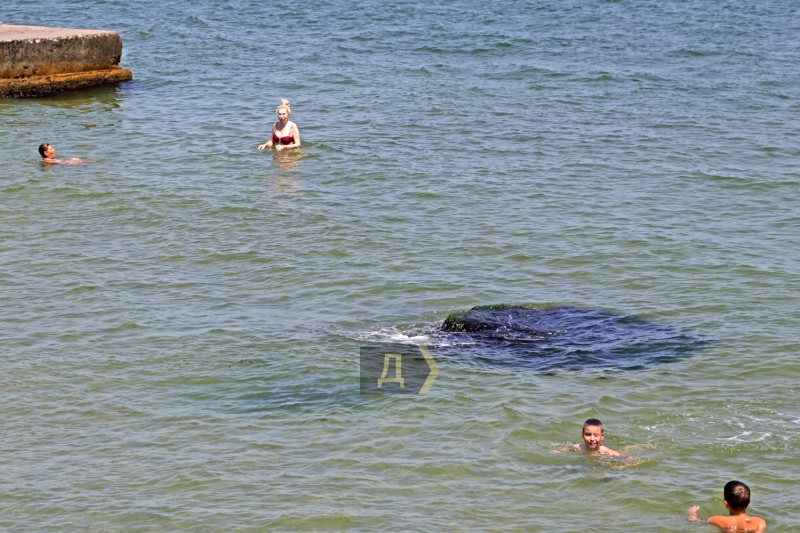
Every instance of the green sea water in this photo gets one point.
(181, 316)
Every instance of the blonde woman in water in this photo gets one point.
(285, 134)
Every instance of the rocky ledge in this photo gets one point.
(37, 60)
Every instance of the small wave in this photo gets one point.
(688, 52)
(393, 335)
(743, 437)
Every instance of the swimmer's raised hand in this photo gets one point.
(691, 514)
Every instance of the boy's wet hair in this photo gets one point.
(593, 422)
(737, 494)
(42, 148)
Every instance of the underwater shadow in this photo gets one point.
(550, 338)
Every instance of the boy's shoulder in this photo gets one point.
(741, 522)
(608, 451)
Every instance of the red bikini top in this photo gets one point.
(283, 140)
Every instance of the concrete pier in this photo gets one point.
(37, 60)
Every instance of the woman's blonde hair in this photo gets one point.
(285, 105)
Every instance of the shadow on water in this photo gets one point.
(549, 338)
(108, 95)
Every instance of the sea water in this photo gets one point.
(181, 316)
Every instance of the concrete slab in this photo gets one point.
(38, 60)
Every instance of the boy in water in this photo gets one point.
(48, 154)
(593, 436)
(736, 498)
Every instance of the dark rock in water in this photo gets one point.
(547, 337)
(499, 318)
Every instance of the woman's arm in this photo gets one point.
(269, 143)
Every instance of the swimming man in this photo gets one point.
(48, 154)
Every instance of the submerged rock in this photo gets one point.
(550, 337)
(500, 317)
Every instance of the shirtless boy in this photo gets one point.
(736, 498)
(48, 154)
(593, 436)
